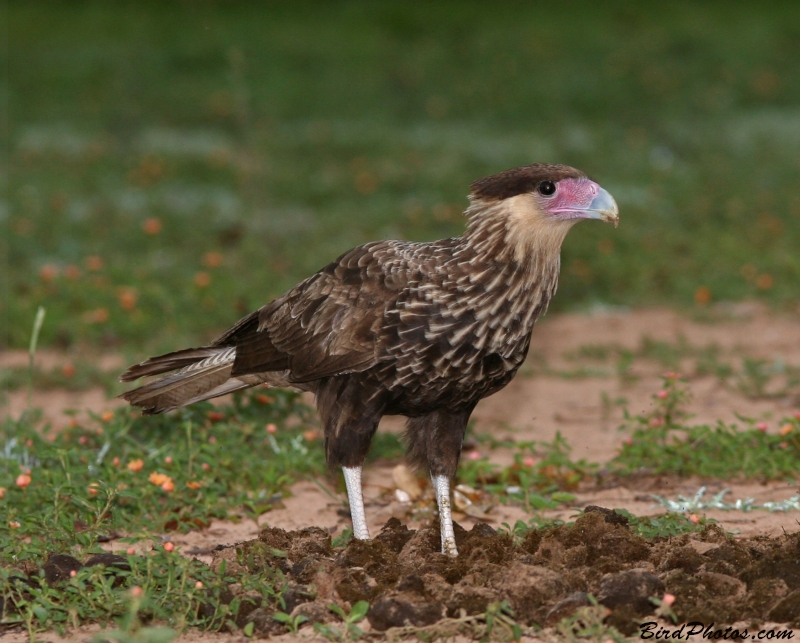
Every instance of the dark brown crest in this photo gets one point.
(521, 180)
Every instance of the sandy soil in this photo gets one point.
(536, 405)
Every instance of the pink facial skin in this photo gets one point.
(572, 194)
(579, 199)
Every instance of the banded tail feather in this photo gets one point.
(197, 374)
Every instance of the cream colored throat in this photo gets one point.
(533, 235)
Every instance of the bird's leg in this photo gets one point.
(442, 485)
(352, 480)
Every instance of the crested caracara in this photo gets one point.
(424, 330)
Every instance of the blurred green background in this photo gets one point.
(173, 165)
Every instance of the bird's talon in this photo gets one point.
(449, 548)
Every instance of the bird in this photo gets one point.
(423, 330)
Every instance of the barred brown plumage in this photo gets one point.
(424, 330)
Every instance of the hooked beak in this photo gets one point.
(603, 207)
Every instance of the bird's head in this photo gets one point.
(537, 204)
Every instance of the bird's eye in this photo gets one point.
(547, 188)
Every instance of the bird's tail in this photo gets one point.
(199, 374)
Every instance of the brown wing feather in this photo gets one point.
(327, 325)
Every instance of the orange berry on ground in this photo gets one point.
(765, 281)
(136, 465)
(212, 259)
(662, 395)
(152, 226)
(169, 547)
(668, 599)
(693, 518)
(136, 591)
(158, 478)
(786, 429)
(762, 426)
(23, 480)
(115, 462)
(168, 486)
(702, 296)
(199, 585)
(194, 485)
(72, 573)
(14, 524)
(205, 466)
(107, 416)
(96, 316)
(272, 429)
(92, 489)
(72, 273)
(130, 551)
(93, 263)
(48, 273)
(127, 298)
(168, 460)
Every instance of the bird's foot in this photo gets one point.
(449, 547)
(352, 480)
(442, 486)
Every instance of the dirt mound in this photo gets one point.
(545, 577)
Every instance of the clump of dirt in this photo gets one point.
(546, 576)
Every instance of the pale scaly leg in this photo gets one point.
(352, 480)
(442, 486)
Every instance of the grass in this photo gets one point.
(130, 479)
(665, 526)
(172, 167)
(79, 376)
(164, 586)
(756, 378)
(134, 479)
(542, 476)
(127, 475)
(665, 441)
(132, 476)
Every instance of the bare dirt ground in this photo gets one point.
(543, 400)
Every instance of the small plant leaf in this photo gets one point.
(358, 612)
